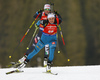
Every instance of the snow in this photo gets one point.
(64, 73)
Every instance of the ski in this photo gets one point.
(51, 73)
(14, 64)
(14, 71)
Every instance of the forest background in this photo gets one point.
(80, 27)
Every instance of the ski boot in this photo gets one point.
(22, 59)
(48, 68)
(23, 64)
(45, 62)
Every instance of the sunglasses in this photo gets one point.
(47, 9)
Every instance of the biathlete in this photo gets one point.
(43, 17)
(48, 37)
(42, 14)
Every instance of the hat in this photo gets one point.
(51, 15)
(47, 6)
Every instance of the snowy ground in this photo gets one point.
(64, 73)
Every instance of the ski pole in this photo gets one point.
(58, 42)
(29, 28)
(63, 39)
(52, 6)
(32, 37)
(61, 34)
(47, 1)
(25, 34)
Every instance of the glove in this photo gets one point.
(36, 26)
(40, 11)
(43, 22)
(56, 12)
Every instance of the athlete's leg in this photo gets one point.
(52, 47)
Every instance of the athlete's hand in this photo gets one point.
(55, 12)
(43, 22)
(40, 11)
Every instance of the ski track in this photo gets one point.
(64, 73)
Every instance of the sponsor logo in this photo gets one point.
(51, 26)
(44, 18)
(41, 28)
(47, 5)
(36, 40)
(53, 42)
(50, 31)
(38, 47)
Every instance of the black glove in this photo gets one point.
(40, 11)
(56, 12)
(43, 22)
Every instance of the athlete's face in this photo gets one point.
(47, 11)
(51, 20)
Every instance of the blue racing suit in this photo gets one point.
(45, 39)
